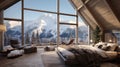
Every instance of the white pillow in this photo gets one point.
(15, 53)
(102, 44)
(6, 48)
(112, 46)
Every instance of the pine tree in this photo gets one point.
(96, 34)
(37, 38)
(33, 38)
(27, 40)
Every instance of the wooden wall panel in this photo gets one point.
(103, 15)
(114, 5)
(7, 3)
(77, 3)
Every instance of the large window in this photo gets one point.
(13, 11)
(117, 34)
(13, 31)
(67, 33)
(82, 32)
(40, 28)
(66, 7)
(37, 21)
(67, 19)
(49, 5)
(12, 20)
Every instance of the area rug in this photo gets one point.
(51, 59)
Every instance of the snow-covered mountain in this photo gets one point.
(46, 26)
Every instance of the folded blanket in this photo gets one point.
(67, 54)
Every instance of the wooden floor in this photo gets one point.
(27, 60)
(39, 59)
(51, 59)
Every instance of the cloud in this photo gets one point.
(14, 23)
(79, 24)
(49, 15)
(71, 22)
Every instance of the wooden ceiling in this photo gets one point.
(104, 13)
(4, 4)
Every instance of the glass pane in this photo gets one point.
(13, 11)
(82, 32)
(117, 34)
(13, 32)
(66, 7)
(49, 5)
(40, 27)
(67, 33)
(67, 19)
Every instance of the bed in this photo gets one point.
(84, 55)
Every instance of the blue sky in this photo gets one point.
(49, 5)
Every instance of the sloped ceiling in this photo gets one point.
(4, 4)
(104, 13)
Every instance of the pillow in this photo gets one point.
(15, 53)
(106, 48)
(101, 45)
(113, 46)
(7, 48)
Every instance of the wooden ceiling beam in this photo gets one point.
(7, 3)
(82, 5)
(97, 22)
(113, 10)
(85, 21)
(13, 19)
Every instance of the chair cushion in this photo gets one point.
(30, 49)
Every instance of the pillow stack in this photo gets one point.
(106, 46)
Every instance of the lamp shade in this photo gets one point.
(2, 27)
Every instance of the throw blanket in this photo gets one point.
(88, 55)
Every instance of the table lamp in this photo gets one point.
(2, 27)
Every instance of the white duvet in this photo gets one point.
(105, 54)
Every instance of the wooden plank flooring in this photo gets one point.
(40, 59)
(27, 60)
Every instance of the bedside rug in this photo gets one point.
(51, 59)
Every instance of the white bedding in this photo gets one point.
(105, 54)
(67, 54)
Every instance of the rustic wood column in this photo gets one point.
(22, 16)
(1, 33)
(58, 24)
(77, 28)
